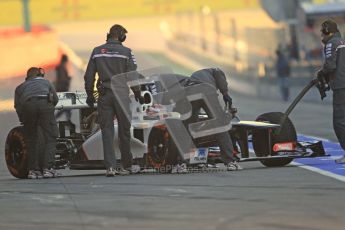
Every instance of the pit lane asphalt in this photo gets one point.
(255, 198)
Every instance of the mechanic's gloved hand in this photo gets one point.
(322, 78)
(90, 100)
(138, 97)
(227, 99)
(319, 75)
(319, 72)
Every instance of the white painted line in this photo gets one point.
(314, 137)
(177, 190)
(6, 105)
(320, 171)
(182, 60)
(49, 199)
(75, 59)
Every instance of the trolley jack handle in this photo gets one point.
(321, 85)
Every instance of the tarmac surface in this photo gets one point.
(257, 197)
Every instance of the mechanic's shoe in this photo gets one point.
(110, 172)
(50, 173)
(174, 169)
(233, 166)
(183, 168)
(134, 169)
(122, 172)
(179, 168)
(341, 160)
(202, 167)
(236, 155)
(35, 174)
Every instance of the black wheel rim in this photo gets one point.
(15, 154)
(158, 147)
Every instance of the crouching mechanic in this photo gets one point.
(216, 78)
(34, 102)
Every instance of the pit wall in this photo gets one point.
(21, 50)
(250, 82)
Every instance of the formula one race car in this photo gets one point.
(79, 145)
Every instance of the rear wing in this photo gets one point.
(71, 100)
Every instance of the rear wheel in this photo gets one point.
(162, 153)
(160, 148)
(16, 153)
(286, 133)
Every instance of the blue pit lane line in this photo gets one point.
(324, 165)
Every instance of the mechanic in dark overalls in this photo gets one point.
(333, 70)
(34, 102)
(109, 59)
(216, 78)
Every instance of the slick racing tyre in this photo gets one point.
(16, 153)
(160, 148)
(260, 138)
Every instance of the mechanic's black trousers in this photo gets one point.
(339, 115)
(223, 139)
(41, 132)
(108, 107)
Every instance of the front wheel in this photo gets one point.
(286, 133)
(16, 153)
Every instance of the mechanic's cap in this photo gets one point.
(329, 26)
(34, 72)
(117, 30)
